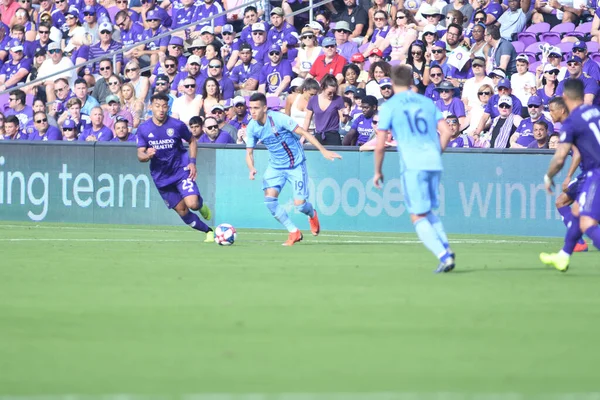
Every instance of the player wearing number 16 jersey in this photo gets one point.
(160, 141)
(415, 121)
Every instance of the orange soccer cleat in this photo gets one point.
(293, 238)
(580, 247)
(315, 226)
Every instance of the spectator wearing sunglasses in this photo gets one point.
(153, 49)
(555, 60)
(90, 23)
(436, 76)
(275, 77)
(162, 85)
(503, 126)
(477, 110)
(32, 47)
(69, 131)
(328, 63)
(524, 134)
(589, 66)
(450, 105)
(549, 81)
(59, 15)
(57, 62)
(106, 47)
(131, 33)
(212, 133)
(457, 139)
(307, 53)
(188, 104)
(168, 67)
(575, 70)
(42, 130)
(438, 56)
(472, 86)
(230, 51)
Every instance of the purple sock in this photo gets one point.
(594, 234)
(572, 236)
(567, 215)
(194, 222)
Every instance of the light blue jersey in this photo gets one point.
(413, 120)
(277, 134)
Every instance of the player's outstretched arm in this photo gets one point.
(379, 154)
(145, 154)
(250, 162)
(575, 161)
(445, 133)
(330, 155)
(557, 163)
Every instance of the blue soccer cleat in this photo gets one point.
(445, 266)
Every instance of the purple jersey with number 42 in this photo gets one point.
(171, 159)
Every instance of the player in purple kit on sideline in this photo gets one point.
(581, 129)
(160, 141)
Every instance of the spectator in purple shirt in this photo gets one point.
(122, 133)
(212, 134)
(457, 139)
(159, 46)
(131, 33)
(589, 66)
(436, 75)
(259, 43)
(183, 16)
(17, 107)
(450, 105)
(215, 70)
(283, 34)
(114, 112)
(59, 19)
(590, 86)
(362, 129)
(98, 132)
(106, 47)
(275, 76)
(42, 129)
(524, 134)
(204, 15)
(327, 108)
(345, 47)
(16, 70)
(540, 134)
(150, 5)
(246, 72)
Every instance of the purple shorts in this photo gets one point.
(175, 192)
(589, 198)
(575, 186)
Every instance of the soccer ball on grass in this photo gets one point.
(225, 235)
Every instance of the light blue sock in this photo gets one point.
(430, 238)
(436, 223)
(279, 213)
(306, 208)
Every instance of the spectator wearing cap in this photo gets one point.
(242, 116)
(131, 33)
(246, 73)
(429, 14)
(386, 89)
(195, 125)
(114, 111)
(54, 63)
(396, 42)
(297, 107)
(73, 24)
(328, 63)
(374, 56)
(81, 92)
(318, 30)
(123, 132)
(356, 19)
(193, 71)
(430, 36)
(275, 77)
(18, 108)
(589, 66)
(38, 60)
(351, 73)
(101, 12)
(163, 86)
(98, 132)
(575, 70)
(90, 23)
(513, 20)
(362, 129)
(457, 139)
(450, 105)
(74, 114)
(555, 60)
(328, 110)
(471, 88)
(188, 104)
(259, 43)
(230, 51)
(152, 50)
(523, 82)
(307, 53)
(502, 53)
(436, 76)
(283, 34)
(345, 47)
(503, 126)
(183, 16)
(215, 70)
(524, 134)
(549, 83)
(359, 60)
(212, 133)
(106, 47)
(540, 136)
(14, 71)
(492, 108)
(377, 71)
(208, 9)
(497, 75)
(219, 112)
(438, 56)
(42, 130)
(69, 131)
(150, 5)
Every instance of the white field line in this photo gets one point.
(317, 396)
(126, 240)
(258, 232)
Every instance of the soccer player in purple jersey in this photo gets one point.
(160, 141)
(581, 129)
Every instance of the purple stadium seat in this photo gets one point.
(532, 57)
(564, 27)
(527, 38)
(519, 47)
(533, 48)
(595, 57)
(539, 28)
(581, 30)
(565, 47)
(273, 103)
(593, 47)
(533, 66)
(550, 37)
(4, 101)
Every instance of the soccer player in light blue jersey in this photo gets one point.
(414, 121)
(287, 163)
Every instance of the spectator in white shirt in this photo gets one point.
(523, 81)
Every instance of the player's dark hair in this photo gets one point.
(159, 97)
(19, 95)
(36, 114)
(259, 97)
(457, 26)
(245, 46)
(558, 101)
(79, 81)
(328, 81)
(402, 75)
(17, 28)
(493, 31)
(352, 67)
(309, 84)
(573, 89)
(250, 8)
(12, 119)
(196, 121)
(541, 123)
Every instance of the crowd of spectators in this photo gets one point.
(67, 80)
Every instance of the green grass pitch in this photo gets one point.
(154, 313)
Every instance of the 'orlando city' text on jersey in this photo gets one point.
(413, 119)
(171, 159)
(277, 134)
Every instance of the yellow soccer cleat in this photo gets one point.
(210, 237)
(560, 261)
(205, 212)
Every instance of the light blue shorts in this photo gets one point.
(421, 190)
(297, 177)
